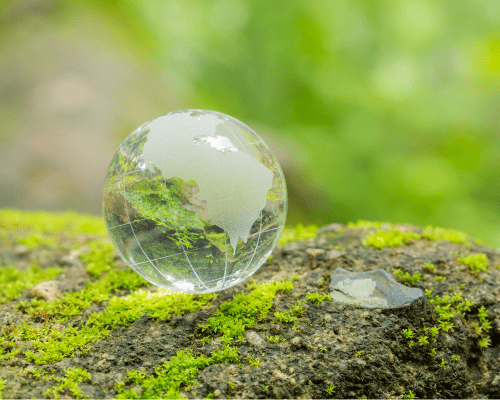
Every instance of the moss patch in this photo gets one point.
(476, 262)
(14, 281)
(300, 231)
(71, 383)
(390, 238)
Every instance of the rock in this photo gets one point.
(254, 339)
(147, 339)
(333, 254)
(98, 378)
(330, 228)
(279, 374)
(217, 393)
(495, 381)
(48, 290)
(361, 363)
(293, 382)
(328, 317)
(278, 392)
(138, 390)
(71, 261)
(315, 252)
(21, 250)
(342, 367)
(373, 289)
(297, 340)
(119, 378)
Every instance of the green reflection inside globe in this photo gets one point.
(194, 201)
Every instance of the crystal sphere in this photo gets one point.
(194, 201)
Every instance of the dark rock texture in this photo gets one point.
(362, 352)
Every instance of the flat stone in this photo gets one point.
(21, 250)
(315, 252)
(98, 378)
(373, 289)
(296, 340)
(332, 254)
(48, 290)
(254, 339)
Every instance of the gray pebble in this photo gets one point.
(254, 339)
(296, 340)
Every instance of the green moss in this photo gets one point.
(476, 262)
(390, 238)
(232, 318)
(318, 298)
(166, 384)
(366, 224)
(69, 222)
(14, 281)
(74, 377)
(72, 303)
(437, 233)
(273, 339)
(300, 231)
(121, 311)
(291, 315)
(36, 239)
(430, 267)
(412, 280)
(99, 258)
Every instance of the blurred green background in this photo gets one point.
(377, 109)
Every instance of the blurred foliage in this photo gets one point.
(393, 105)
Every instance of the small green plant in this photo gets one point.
(330, 389)
(410, 395)
(74, 376)
(231, 385)
(434, 331)
(408, 333)
(252, 361)
(443, 363)
(390, 238)
(484, 342)
(273, 339)
(422, 340)
(412, 280)
(210, 395)
(445, 326)
(2, 387)
(298, 232)
(323, 348)
(440, 278)
(462, 286)
(476, 262)
(317, 298)
(451, 235)
(433, 352)
(265, 388)
(358, 354)
(428, 292)
(430, 267)
(455, 358)
(410, 344)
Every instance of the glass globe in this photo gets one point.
(194, 201)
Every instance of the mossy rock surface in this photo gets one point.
(207, 346)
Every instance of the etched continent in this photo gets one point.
(233, 183)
